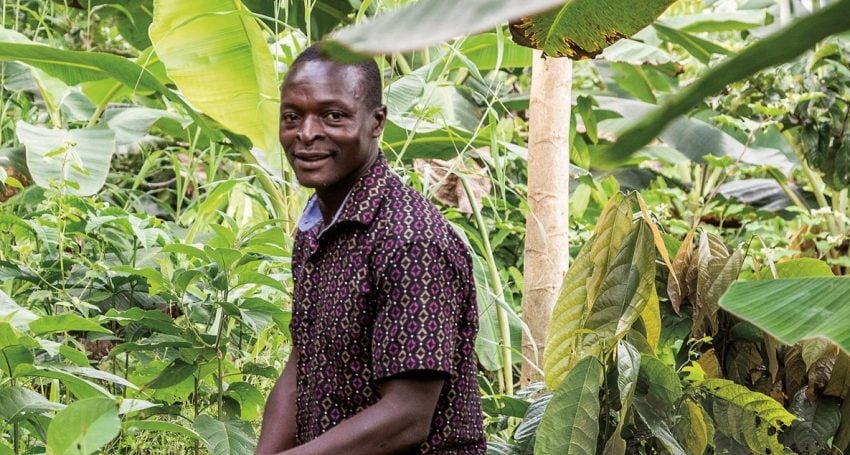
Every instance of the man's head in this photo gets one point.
(331, 117)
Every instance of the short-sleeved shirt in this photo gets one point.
(385, 289)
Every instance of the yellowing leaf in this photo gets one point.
(215, 51)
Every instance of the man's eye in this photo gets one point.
(289, 117)
(335, 115)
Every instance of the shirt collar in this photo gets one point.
(360, 204)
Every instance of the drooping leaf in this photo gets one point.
(79, 387)
(777, 48)
(83, 427)
(776, 306)
(626, 289)
(65, 323)
(716, 270)
(677, 284)
(701, 49)
(750, 418)
(17, 316)
(79, 159)
(422, 24)
(232, 437)
(656, 401)
(74, 67)
(816, 423)
(570, 424)
(583, 28)
(692, 137)
(218, 43)
(18, 403)
(160, 426)
(574, 301)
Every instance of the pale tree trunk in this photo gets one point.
(546, 242)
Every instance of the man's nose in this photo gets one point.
(310, 129)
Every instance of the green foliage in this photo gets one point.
(225, 438)
(571, 421)
(219, 44)
(751, 419)
(605, 291)
(774, 306)
(773, 50)
(155, 267)
(83, 427)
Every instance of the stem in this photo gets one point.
(102, 106)
(403, 66)
(496, 288)
(815, 182)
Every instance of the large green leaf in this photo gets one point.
(816, 424)
(492, 50)
(74, 67)
(16, 315)
(161, 426)
(656, 401)
(424, 23)
(79, 387)
(700, 48)
(65, 323)
(570, 424)
(77, 159)
(794, 309)
(604, 292)
(83, 427)
(583, 28)
(18, 403)
(232, 437)
(215, 51)
(777, 48)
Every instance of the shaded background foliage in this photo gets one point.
(146, 227)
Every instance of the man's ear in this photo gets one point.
(380, 117)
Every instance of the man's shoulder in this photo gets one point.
(409, 216)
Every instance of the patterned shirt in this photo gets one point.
(386, 288)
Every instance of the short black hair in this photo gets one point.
(370, 75)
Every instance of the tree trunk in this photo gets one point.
(546, 242)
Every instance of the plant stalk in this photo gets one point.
(498, 292)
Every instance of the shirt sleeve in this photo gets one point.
(420, 292)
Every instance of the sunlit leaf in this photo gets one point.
(83, 427)
(750, 418)
(208, 44)
(18, 403)
(775, 307)
(225, 437)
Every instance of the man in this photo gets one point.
(384, 315)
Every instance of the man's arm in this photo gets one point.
(278, 431)
(399, 421)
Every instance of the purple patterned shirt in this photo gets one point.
(385, 289)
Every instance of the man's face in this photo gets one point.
(328, 133)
